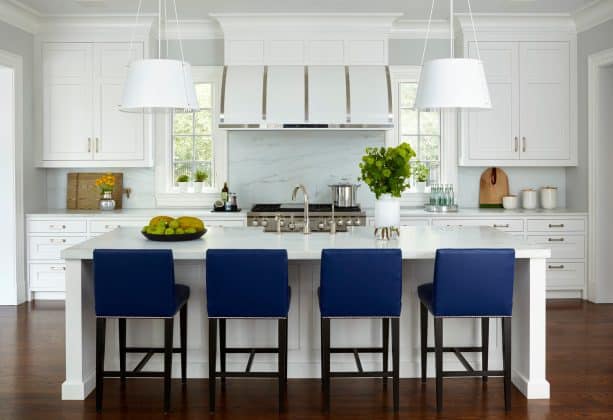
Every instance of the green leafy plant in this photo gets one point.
(183, 178)
(421, 172)
(387, 170)
(201, 176)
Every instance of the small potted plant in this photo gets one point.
(421, 173)
(183, 182)
(106, 184)
(387, 172)
(199, 180)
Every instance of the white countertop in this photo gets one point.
(477, 212)
(415, 242)
(205, 213)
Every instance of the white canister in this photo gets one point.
(510, 202)
(528, 198)
(549, 197)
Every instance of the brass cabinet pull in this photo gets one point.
(89, 145)
(555, 239)
(561, 225)
(516, 144)
(556, 267)
(523, 144)
(97, 145)
(501, 226)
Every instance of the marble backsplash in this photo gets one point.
(264, 166)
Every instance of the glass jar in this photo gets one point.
(106, 201)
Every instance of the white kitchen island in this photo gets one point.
(418, 245)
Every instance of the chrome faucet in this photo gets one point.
(307, 228)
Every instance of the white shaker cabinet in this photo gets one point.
(82, 125)
(531, 122)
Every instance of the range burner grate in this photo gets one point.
(313, 208)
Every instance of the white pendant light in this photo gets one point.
(160, 84)
(452, 83)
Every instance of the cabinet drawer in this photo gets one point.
(507, 225)
(47, 277)
(562, 246)
(565, 275)
(107, 225)
(55, 226)
(50, 247)
(556, 225)
(225, 223)
(410, 221)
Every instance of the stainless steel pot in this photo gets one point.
(345, 195)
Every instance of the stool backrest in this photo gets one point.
(134, 283)
(473, 282)
(360, 283)
(247, 283)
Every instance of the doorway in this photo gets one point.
(12, 265)
(600, 152)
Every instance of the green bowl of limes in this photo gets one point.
(168, 229)
(174, 237)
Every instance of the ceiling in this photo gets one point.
(196, 9)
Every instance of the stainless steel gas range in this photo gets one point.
(290, 218)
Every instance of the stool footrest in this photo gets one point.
(150, 349)
(454, 349)
(247, 374)
(473, 373)
(356, 354)
(132, 374)
(251, 350)
(358, 349)
(362, 374)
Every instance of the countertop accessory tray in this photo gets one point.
(441, 209)
(174, 238)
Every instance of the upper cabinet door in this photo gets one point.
(493, 134)
(545, 101)
(67, 101)
(118, 135)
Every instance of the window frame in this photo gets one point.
(167, 193)
(448, 135)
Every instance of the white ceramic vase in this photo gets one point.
(183, 187)
(198, 186)
(420, 187)
(387, 216)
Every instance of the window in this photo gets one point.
(422, 130)
(192, 138)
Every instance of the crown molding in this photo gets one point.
(193, 29)
(505, 22)
(593, 14)
(417, 29)
(20, 16)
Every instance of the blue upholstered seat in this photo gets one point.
(360, 283)
(136, 283)
(247, 283)
(471, 282)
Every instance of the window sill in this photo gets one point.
(179, 199)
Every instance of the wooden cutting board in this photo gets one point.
(83, 194)
(494, 185)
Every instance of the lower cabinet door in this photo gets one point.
(565, 275)
(47, 277)
(50, 247)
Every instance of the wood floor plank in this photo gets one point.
(579, 366)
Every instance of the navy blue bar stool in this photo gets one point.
(246, 284)
(361, 283)
(469, 283)
(138, 284)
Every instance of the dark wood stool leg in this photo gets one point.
(485, 344)
(168, 335)
(506, 357)
(386, 340)
(183, 332)
(326, 362)
(321, 346)
(212, 361)
(396, 361)
(282, 327)
(100, 338)
(122, 349)
(438, 348)
(222, 348)
(423, 318)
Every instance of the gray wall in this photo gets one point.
(21, 43)
(589, 42)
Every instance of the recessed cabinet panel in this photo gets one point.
(545, 107)
(369, 95)
(327, 95)
(326, 52)
(285, 52)
(367, 52)
(494, 133)
(285, 94)
(67, 101)
(245, 52)
(244, 93)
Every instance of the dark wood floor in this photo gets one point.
(580, 369)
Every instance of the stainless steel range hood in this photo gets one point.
(306, 97)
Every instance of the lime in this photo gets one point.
(169, 231)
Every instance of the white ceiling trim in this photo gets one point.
(505, 22)
(193, 29)
(593, 14)
(20, 16)
(417, 29)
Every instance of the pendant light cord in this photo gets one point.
(182, 56)
(423, 53)
(133, 34)
(472, 21)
